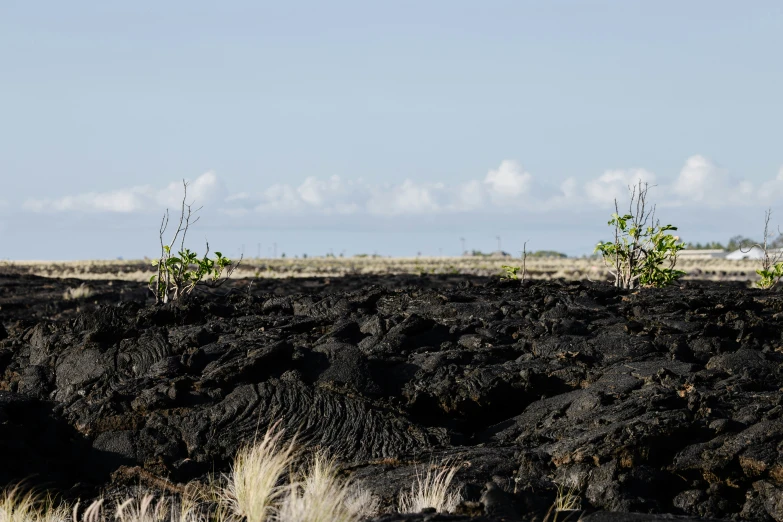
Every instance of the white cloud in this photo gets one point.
(280, 198)
(611, 185)
(507, 188)
(508, 182)
(405, 199)
(772, 190)
(204, 188)
(502, 186)
(469, 196)
(569, 188)
(315, 192)
(121, 201)
(331, 196)
(567, 197)
(702, 181)
(135, 199)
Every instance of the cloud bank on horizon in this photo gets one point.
(509, 187)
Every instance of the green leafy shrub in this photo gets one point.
(180, 272)
(643, 252)
(511, 272)
(772, 263)
(770, 276)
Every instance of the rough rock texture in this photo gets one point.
(658, 401)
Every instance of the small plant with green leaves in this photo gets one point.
(513, 272)
(771, 270)
(643, 252)
(179, 272)
(770, 277)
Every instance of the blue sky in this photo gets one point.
(390, 127)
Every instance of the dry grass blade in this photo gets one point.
(141, 510)
(567, 500)
(93, 513)
(254, 480)
(213, 501)
(432, 490)
(193, 505)
(553, 515)
(79, 292)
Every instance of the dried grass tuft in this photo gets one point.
(16, 506)
(254, 481)
(432, 490)
(259, 488)
(80, 292)
(322, 496)
(567, 499)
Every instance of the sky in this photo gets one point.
(390, 127)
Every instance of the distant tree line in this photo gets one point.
(735, 243)
(536, 254)
(547, 253)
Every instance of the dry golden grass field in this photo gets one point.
(537, 268)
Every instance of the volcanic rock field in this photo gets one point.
(658, 401)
